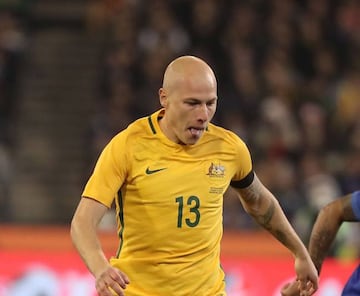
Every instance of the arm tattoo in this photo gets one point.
(265, 219)
(326, 227)
(319, 247)
(251, 194)
(250, 198)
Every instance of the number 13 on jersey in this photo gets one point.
(191, 206)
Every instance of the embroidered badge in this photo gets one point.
(216, 170)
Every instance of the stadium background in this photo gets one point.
(73, 73)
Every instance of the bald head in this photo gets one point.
(187, 68)
(189, 99)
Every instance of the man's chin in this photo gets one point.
(192, 140)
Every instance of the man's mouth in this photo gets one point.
(196, 132)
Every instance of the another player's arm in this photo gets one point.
(326, 226)
(261, 204)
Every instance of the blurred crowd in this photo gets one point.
(289, 84)
(12, 45)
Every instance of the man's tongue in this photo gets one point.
(195, 132)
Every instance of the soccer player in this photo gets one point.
(327, 224)
(167, 174)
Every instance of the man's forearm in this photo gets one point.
(275, 221)
(88, 246)
(260, 203)
(321, 238)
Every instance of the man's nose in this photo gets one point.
(203, 112)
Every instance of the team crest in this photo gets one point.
(216, 170)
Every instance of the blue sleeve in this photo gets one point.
(355, 203)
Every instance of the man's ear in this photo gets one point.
(162, 97)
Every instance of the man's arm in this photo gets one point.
(326, 227)
(84, 236)
(261, 204)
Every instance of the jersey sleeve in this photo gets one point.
(109, 173)
(355, 202)
(244, 175)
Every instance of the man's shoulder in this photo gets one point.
(138, 124)
(226, 137)
(215, 128)
(135, 129)
(222, 132)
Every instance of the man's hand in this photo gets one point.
(307, 276)
(290, 289)
(111, 281)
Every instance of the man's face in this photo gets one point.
(189, 108)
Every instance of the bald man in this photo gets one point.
(167, 174)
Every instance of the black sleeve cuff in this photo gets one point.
(243, 183)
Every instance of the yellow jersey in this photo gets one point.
(169, 200)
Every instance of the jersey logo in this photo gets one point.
(149, 172)
(216, 171)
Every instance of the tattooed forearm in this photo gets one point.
(261, 204)
(326, 227)
(257, 205)
(265, 219)
(282, 237)
(319, 246)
